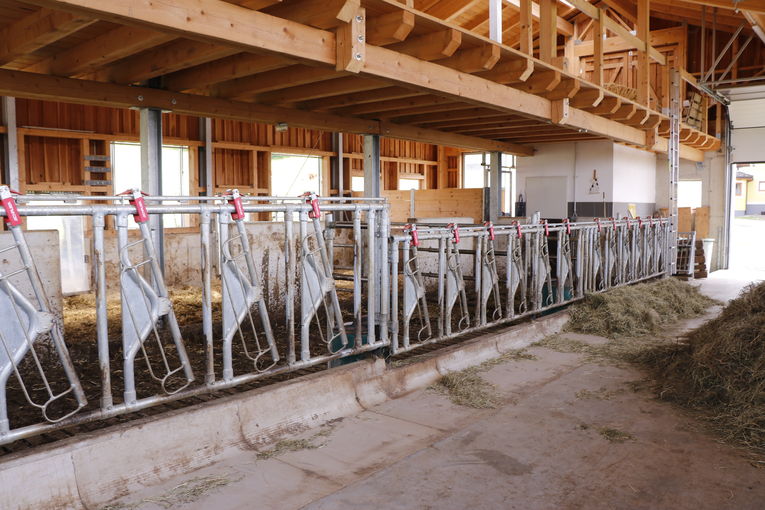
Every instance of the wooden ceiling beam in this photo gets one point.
(248, 87)
(225, 69)
(565, 89)
(743, 5)
(37, 30)
(467, 123)
(316, 13)
(433, 46)
(394, 104)
(254, 4)
(53, 88)
(358, 98)
(389, 28)
(176, 55)
(587, 98)
(515, 71)
(454, 114)
(608, 105)
(473, 60)
(312, 91)
(100, 51)
(540, 82)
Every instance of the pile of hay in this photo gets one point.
(720, 369)
(623, 90)
(637, 310)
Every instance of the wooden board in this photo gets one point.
(684, 219)
(437, 203)
(701, 222)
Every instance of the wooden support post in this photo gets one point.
(598, 34)
(559, 111)
(527, 45)
(351, 44)
(643, 62)
(548, 35)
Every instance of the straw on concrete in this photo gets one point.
(637, 310)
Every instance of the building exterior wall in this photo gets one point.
(755, 189)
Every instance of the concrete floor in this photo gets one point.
(543, 448)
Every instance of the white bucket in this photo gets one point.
(709, 246)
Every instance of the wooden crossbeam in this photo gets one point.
(389, 28)
(328, 88)
(36, 86)
(515, 71)
(587, 98)
(608, 105)
(540, 82)
(100, 51)
(394, 104)
(565, 89)
(36, 30)
(317, 13)
(612, 25)
(225, 69)
(358, 98)
(473, 60)
(176, 55)
(249, 86)
(433, 46)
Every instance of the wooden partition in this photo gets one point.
(436, 203)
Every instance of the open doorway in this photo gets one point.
(747, 240)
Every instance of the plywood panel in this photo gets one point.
(684, 219)
(701, 222)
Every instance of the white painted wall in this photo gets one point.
(634, 175)
(573, 160)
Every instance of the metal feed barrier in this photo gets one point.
(352, 284)
(543, 266)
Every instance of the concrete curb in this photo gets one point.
(92, 469)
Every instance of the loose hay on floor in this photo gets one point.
(637, 310)
(467, 388)
(720, 369)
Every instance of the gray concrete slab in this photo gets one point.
(571, 434)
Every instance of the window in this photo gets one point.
(476, 174)
(408, 184)
(761, 186)
(126, 158)
(357, 183)
(294, 174)
(739, 189)
(475, 170)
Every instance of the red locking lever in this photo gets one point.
(235, 199)
(136, 200)
(12, 216)
(490, 226)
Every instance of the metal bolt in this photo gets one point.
(361, 38)
(358, 56)
(359, 18)
(140, 98)
(173, 101)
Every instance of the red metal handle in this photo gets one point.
(613, 220)
(313, 199)
(455, 231)
(518, 229)
(568, 225)
(597, 220)
(413, 234)
(236, 200)
(640, 222)
(547, 228)
(490, 226)
(136, 200)
(12, 216)
(629, 225)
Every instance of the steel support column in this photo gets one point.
(495, 184)
(372, 173)
(151, 172)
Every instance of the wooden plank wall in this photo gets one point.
(54, 138)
